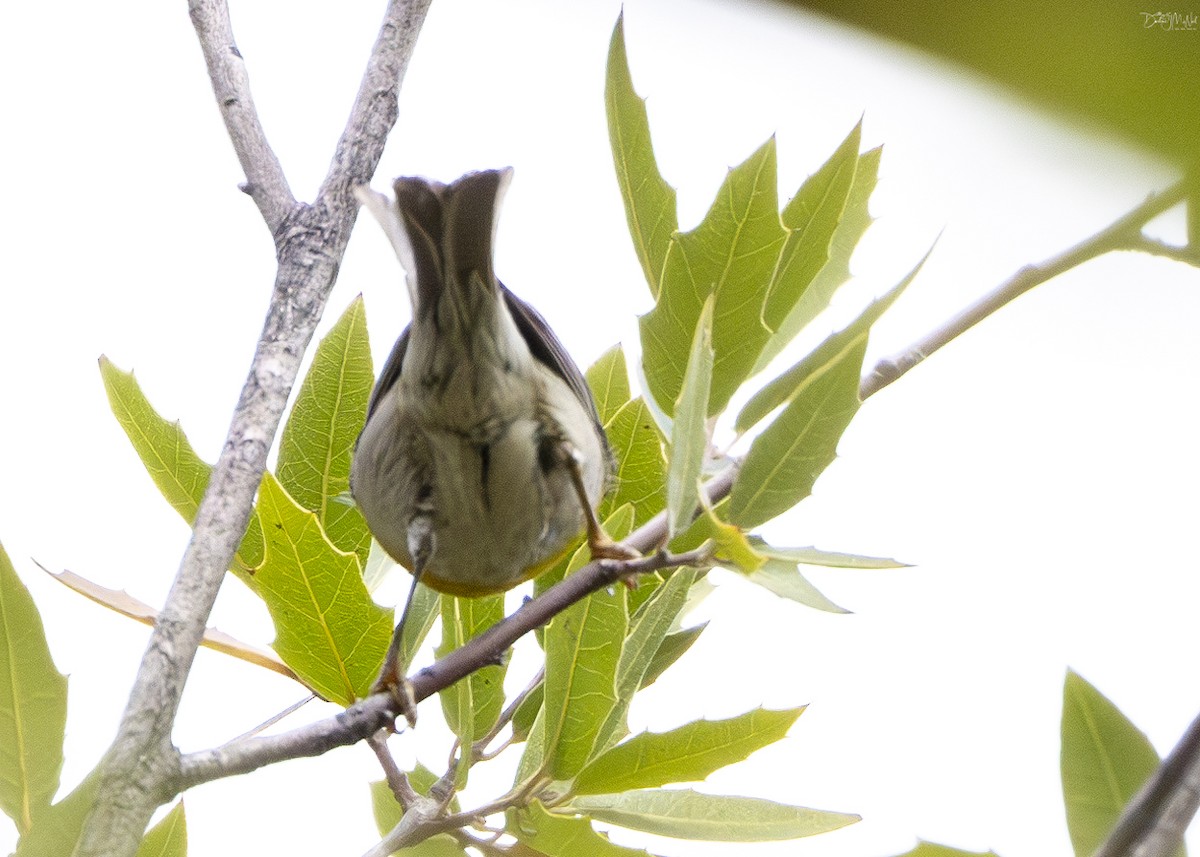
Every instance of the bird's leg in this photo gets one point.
(391, 676)
(600, 543)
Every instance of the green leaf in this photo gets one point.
(828, 559)
(317, 442)
(816, 201)
(527, 711)
(168, 838)
(1105, 760)
(583, 647)
(647, 631)
(673, 647)
(609, 379)
(686, 814)
(641, 472)
(731, 546)
(328, 630)
(33, 706)
(785, 580)
(388, 813)
(56, 831)
(731, 254)
(820, 398)
(473, 704)
(689, 433)
(169, 458)
(687, 754)
(559, 836)
(649, 200)
(930, 849)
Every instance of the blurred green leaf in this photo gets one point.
(168, 838)
(649, 200)
(1115, 64)
(425, 608)
(560, 836)
(328, 630)
(33, 706)
(56, 831)
(168, 457)
(609, 379)
(785, 580)
(687, 754)
(686, 814)
(855, 218)
(583, 647)
(641, 471)
(473, 704)
(689, 432)
(317, 442)
(1105, 760)
(388, 813)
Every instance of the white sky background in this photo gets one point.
(1040, 473)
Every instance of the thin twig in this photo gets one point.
(397, 780)
(141, 769)
(1117, 236)
(265, 181)
(363, 718)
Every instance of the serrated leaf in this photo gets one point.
(931, 849)
(649, 200)
(640, 476)
(608, 378)
(689, 432)
(687, 754)
(785, 580)
(673, 647)
(33, 706)
(56, 831)
(820, 195)
(180, 474)
(317, 442)
(648, 629)
(820, 398)
(473, 704)
(731, 254)
(561, 836)
(1105, 760)
(686, 814)
(328, 630)
(168, 838)
(388, 812)
(583, 647)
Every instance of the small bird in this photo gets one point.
(483, 457)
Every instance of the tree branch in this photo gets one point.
(141, 769)
(1153, 823)
(1120, 235)
(362, 719)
